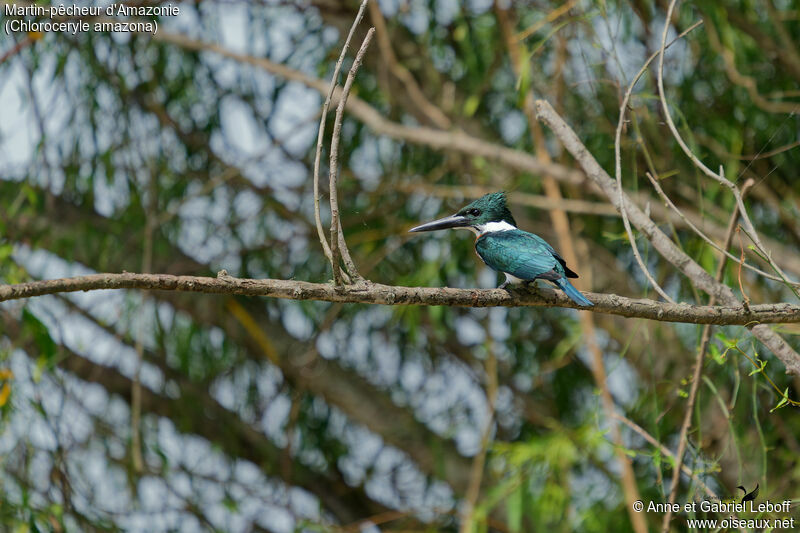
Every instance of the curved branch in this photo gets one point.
(338, 244)
(320, 135)
(618, 168)
(375, 293)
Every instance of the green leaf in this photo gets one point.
(783, 401)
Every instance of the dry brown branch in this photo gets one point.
(338, 245)
(663, 244)
(376, 293)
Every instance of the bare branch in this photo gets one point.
(668, 202)
(338, 245)
(320, 135)
(618, 168)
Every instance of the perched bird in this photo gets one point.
(521, 256)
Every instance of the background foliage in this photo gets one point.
(123, 152)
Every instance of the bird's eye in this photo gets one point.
(474, 212)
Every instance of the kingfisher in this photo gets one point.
(523, 257)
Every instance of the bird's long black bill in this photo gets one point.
(453, 221)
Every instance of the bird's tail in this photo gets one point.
(573, 293)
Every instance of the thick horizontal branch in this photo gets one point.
(374, 293)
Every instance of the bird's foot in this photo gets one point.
(504, 285)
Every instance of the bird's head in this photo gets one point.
(475, 216)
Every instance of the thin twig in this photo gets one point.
(338, 245)
(666, 452)
(321, 134)
(618, 167)
(740, 260)
(698, 370)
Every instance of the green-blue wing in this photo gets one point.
(519, 253)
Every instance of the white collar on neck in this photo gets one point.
(491, 227)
